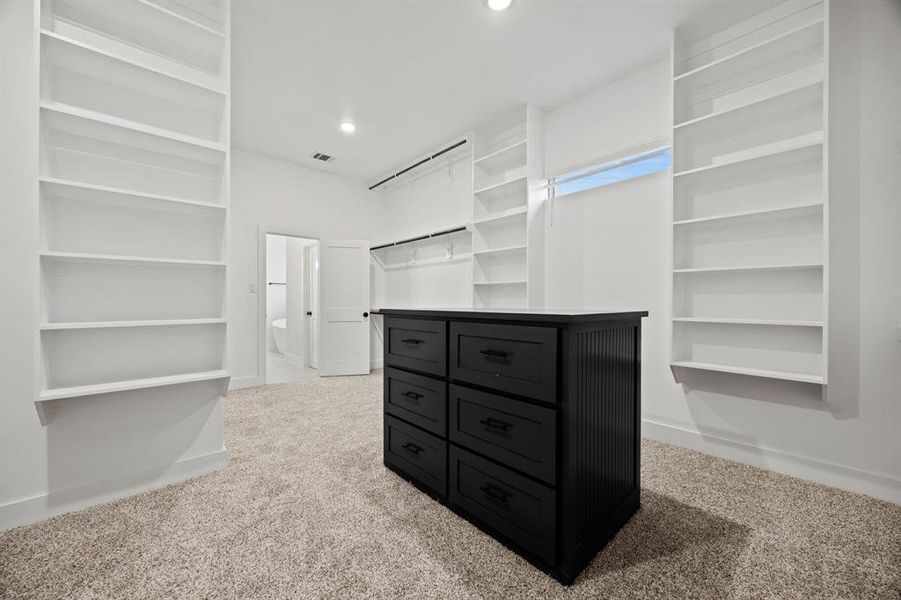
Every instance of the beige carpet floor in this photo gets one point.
(305, 509)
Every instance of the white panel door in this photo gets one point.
(344, 298)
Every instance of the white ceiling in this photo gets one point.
(412, 75)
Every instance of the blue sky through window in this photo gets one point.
(631, 167)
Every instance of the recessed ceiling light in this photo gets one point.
(347, 127)
(499, 4)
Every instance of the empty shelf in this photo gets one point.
(813, 206)
(89, 115)
(179, 17)
(505, 159)
(504, 250)
(778, 47)
(103, 152)
(507, 282)
(500, 216)
(771, 374)
(814, 140)
(134, 384)
(503, 188)
(729, 172)
(146, 27)
(733, 321)
(66, 188)
(749, 268)
(158, 67)
(133, 260)
(759, 109)
(122, 324)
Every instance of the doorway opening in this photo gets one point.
(289, 332)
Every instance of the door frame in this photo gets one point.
(263, 289)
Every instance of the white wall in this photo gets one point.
(95, 448)
(288, 199)
(610, 247)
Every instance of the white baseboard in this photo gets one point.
(377, 364)
(247, 381)
(846, 478)
(38, 508)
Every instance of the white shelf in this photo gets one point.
(135, 136)
(78, 292)
(812, 206)
(749, 196)
(506, 214)
(87, 190)
(134, 384)
(510, 282)
(759, 108)
(795, 145)
(502, 188)
(507, 171)
(750, 268)
(82, 257)
(773, 49)
(766, 322)
(504, 250)
(97, 152)
(90, 115)
(144, 25)
(199, 79)
(768, 373)
(179, 17)
(753, 172)
(86, 77)
(505, 159)
(127, 324)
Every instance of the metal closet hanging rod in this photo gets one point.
(420, 238)
(422, 162)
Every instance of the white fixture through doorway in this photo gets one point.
(288, 336)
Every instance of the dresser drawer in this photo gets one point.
(510, 358)
(417, 344)
(418, 399)
(419, 455)
(520, 435)
(520, 509)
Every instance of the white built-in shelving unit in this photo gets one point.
(134, 189)
(508, 194)
(750, 196)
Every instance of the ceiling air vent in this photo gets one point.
(323, 157)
